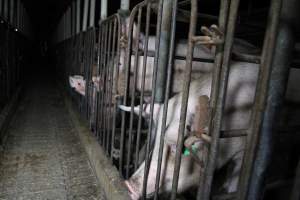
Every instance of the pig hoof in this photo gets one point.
(132, 192)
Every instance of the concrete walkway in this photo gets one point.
(43, 158)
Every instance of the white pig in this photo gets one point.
(240, 96)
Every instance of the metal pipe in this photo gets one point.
(167, 93)
(11, 13)
(1, 7)
(184, 100)
(78, 16)
(103, 9)
(85, 15)
(125, 4)
(220, 102)
(5, 11)
(258, 113)
(92, 13)
(275, 95)
(164, 51)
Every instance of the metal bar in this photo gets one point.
(135, 71)
(114, 78)
(85, 15)
(220, 101)
(260, 100)
(5, 11)
(155, 71)
(108, 80)
(164, 51)
(92, 13)
(103, 9)
(78, 16)
(1, 8)
(166, 96)
(11, 13)
(146, 41)
(125, 4)
(185, 96)
(276, 87)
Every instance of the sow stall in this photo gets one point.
(129, 61)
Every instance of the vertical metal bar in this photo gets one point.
(1, 8)
(78, 16)
(73, 18)
(108, 80)
(133, 92)
(275, 95)
(5, 16)
(85, 15)
(185, 95)
(260, 100)
(125, 5)
(164, 51)
(92, 12)
(11, 13)
(166, 96)
(145, 58)
(155, 71)
(219, 107)
(103, 9)
(113, 80)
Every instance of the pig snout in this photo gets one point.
(133, 193)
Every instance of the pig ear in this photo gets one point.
(71, 81)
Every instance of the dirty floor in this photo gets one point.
(43, 157)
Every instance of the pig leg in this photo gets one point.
(135, 183)
(232, 182)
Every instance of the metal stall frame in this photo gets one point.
(111, 32)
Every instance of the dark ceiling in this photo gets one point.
(44, 14)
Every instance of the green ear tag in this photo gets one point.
(186, 152)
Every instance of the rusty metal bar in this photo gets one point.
(145, 58)
(155, 71)
(185, 96)
(260, 100)
(135, 70)
(218, 108)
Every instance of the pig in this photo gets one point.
(239, 99)
(78, 83)
(198, 69)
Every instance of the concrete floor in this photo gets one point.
(43, 158)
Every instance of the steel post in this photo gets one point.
(85, 15)
(92, 13)
(103, 9)
(78, 16)
(164, 51)
(276, 91)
